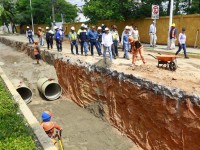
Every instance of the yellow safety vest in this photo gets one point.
(115, 35)
(73, 36)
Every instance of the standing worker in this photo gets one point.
(40, 36)
(173, 36)
(82, 36)
(126, 42)
(115, 36)
(135, 34)
(152, 34)
(93, 38)
(182, 43)
(107, 43)
(99, 31)
(58, 38)
(29, 35)
(49, 38)
(73, 40)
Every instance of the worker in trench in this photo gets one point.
(36, 52)
(50, 127)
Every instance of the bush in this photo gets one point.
(14, 133)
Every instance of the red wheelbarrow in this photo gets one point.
(168, 60)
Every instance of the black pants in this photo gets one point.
(49, 43)
(59, 45)
(115, 48)
(74, 43)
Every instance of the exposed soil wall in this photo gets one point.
(152, 115)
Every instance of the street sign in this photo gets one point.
(155, 12)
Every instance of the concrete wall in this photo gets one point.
(190, 22)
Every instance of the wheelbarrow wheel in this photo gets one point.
(172, 65)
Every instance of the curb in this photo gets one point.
(30, 118)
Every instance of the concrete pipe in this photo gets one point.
(23, 90)
(49, 88)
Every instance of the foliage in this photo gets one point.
(14, 133)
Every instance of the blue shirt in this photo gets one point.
(93, 35)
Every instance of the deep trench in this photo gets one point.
(152, 115)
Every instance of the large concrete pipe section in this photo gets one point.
(49, 88)
(23, 90)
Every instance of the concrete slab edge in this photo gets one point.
(28, 115)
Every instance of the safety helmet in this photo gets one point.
(60, 28)
(46, 116)
(27, 27)
(48, 126)
(99, 28)
(173, 24)
(106, 29)
(82, 25)
(86, 26)
(47, 28)
(55, 27)
(39, 28)
(72, 28)
(130, 39)
(127, 28)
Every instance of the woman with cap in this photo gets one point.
(40, 36)
(173, 36)
(126, 42)
(107, 43)
(181, 43)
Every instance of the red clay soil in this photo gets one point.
(151, 120)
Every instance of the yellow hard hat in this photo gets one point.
(173, 24)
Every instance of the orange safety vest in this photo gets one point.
(173, 33)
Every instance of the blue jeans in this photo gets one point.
(84, 45)
(109, 51)
(59, 45)
(74, 43)
(94, 43)
(182, 46)
(115, 48)
(99, 45)
(41, 41)
(126, 49)
(30, 39)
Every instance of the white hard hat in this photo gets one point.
(55, 27)
(106, 29)
(127, 27)
(99, 28)
(86, 26)
(27, 27)
(82, 25)
(72, 28)
(102, 25)
(60, 27)
(47, 28)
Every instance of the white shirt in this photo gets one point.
(152, 28)
(107, 39)
(135, 34)
(182, 38)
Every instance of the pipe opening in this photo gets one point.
(25, 93)
(52, 91)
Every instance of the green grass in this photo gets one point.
(14, 133)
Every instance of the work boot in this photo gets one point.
(186, 57)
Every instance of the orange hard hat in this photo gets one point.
(130, 39)
(48, 126)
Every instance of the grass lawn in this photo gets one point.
(14, 133)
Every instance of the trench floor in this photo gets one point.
(82, 131)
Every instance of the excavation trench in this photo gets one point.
(152, 115)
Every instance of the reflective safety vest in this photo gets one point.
(173, 33)
(72, 36)
(115, 35)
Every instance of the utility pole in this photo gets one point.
(32, 17)
(170, 21)
(53, 11)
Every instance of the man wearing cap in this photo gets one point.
(126, 42)
(93, 38)
(115, 36)
(58, 38)
(99, 31)
(152, 34)
(49, 38)
(73, 40)
(29, 35)
(107, 42)
(173, 36)
(181, 43)
(82, 37)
